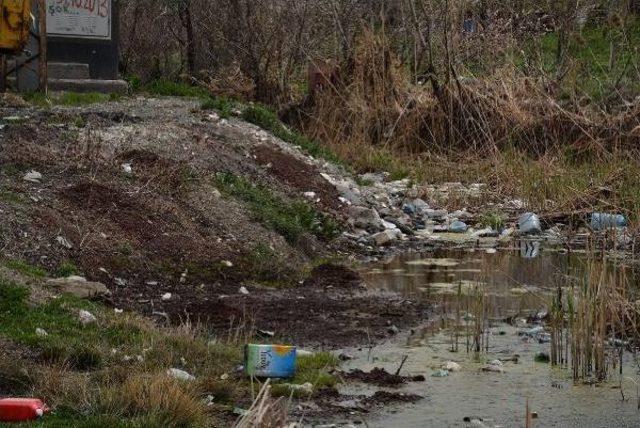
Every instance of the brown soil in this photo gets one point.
(381, 377)
(299, 175)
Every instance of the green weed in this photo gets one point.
(263, 117)
(222, 105)
(313, 369)
(289, 218)
(65, 269)
(26, 268)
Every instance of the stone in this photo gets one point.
(79, 287)
(32, 176)
(385, 237)
(86, 317)
(180, 375)
(493, 368)
(126, 167)
(64, 242)
(435, 214)
(451, 366)
(458, 227)
(365, 218)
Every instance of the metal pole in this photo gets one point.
(42, 30)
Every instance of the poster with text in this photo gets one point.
(86, 19)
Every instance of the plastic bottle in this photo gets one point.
(21, 409)
(602, 221)
(529, 224)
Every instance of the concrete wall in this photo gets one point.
(101, 55)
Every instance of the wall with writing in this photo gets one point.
(79, 18)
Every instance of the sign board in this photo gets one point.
(82, 19)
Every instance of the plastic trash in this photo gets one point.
(529, 224)
(270, 361)
(458, 227)
(440, 373)
(603, 221)
(21, 409)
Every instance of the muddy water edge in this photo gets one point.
(513, 309)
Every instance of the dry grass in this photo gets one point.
(171, 401)
(505, 129)
(265, 412)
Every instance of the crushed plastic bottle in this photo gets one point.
(603, 221)
(529, 224)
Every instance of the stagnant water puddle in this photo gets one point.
(516, 284)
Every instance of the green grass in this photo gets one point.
(10, 197)
(265, 118)
(313, 369)
(26, 268)
(69, 98)
(289, 218)
(222, 105)
(269, 267)
(65, 269)
(82, 347)
(491, 219)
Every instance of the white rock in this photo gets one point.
(64, 242)
(491, 251)
(180, 375)
(385, 237)
(451, 366)
(86, 317)
(166, 296)
(388, 225)
(41, 332)
(32, 176)
(243, 290)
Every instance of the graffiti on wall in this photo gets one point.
(87, 19)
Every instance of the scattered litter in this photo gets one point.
(440, 373)
(180, 375)
(120, 282)
(604, 221)
(118, 311)
(529, 224)
(304, 353)
(126, 167)
(86, 317)
(495, 366)
(393, 330)
(32, 176)
(240, 412)
(310, 195)
(224, 376)
(21, 409)
(41, 332)
(226, 263)
(166, 296)
(345, 357)
(266, 333)
(305, 388)
(270, 361)
(490, 251)
(243, 290)
(209, 400)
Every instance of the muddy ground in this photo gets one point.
(164, 228)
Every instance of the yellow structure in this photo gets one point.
(15, 18)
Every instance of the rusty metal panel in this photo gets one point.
(14, 24)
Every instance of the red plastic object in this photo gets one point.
(21, 409)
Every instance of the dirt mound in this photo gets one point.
(299, 175)
(381, 377)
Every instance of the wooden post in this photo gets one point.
(42, 30)
(3, 73)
